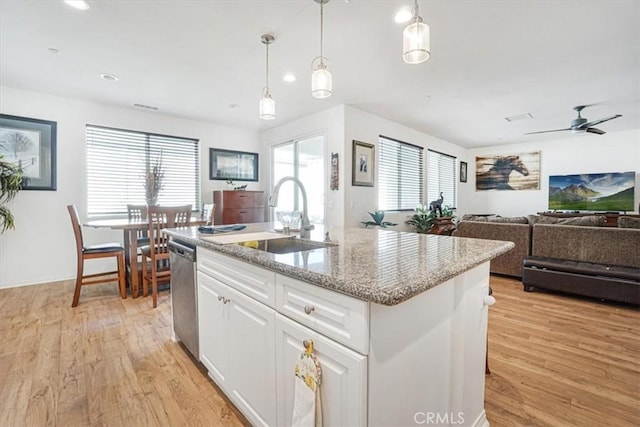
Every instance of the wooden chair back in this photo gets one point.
(77, 229)
(137, 212)
(207, 212)
(165, 217)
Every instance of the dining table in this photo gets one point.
(130, 229)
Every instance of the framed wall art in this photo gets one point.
(519, 171)
(335, 178)
(30, 144)
(364, 156)
(463, 171)
(232, 165)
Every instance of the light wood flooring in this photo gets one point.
(555, 361)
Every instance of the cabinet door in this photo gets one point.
(252, 358)
(212, 328)
(344, 375)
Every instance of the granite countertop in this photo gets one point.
(381, 266)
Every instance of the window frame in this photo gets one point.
(148, 158)
(399, 206)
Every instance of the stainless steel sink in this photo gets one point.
(286, 245)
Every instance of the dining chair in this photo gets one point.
(107, 250)
(155, 256)
(207, 212)
(139, 212)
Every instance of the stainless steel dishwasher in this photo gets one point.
(184, 295)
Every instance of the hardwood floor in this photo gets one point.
(555, 361)
(559, 360)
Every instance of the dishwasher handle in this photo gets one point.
(182, 250)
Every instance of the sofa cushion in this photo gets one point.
(628, 222)
(475, 217)
(587, 221)
(509, 220)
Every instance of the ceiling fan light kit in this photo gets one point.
(321, 85)
(267, 104)
(581, 124)
(415, 40)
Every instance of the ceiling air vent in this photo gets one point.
(146, 107)
(525, 116)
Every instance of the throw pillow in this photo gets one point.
(628, 222)
(586, 221)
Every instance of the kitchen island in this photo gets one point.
(398, 321)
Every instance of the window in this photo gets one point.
(441, 178)
(400, 167)
(116, 164)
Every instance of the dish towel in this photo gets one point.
(307, 405)
(211, 229)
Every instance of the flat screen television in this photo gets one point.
(609, 192)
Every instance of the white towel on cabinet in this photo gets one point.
(307, 405)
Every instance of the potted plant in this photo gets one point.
(378, 217)
(422, 219)
(444, 223)
(10, 185)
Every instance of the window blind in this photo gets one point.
(116, 163)
(400, 175)
(441, 177)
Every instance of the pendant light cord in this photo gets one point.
(267, 73)
(321, 30)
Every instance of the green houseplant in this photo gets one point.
(378, 217)
(422, 219)
(10, 185)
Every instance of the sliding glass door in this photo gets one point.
(303, 159)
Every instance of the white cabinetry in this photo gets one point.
(381, 365)
(344, 375)
(237, 347)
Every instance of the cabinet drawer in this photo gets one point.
(338, 316)
(251, 280)
(242, 215)
(243, 199)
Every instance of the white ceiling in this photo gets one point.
(489, 60)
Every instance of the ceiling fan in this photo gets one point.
(580, 124)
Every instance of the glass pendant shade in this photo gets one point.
(267, 106)
(415, 42)
(321, 82)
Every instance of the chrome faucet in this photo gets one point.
(305, 227)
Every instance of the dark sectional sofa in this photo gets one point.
(586, 259)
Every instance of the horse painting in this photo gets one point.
(497, 173)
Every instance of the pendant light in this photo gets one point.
(267, 104)
(415, 40)
(321, 77)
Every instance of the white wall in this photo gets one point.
(42, 247)
(575, 154)
(366, 127)
(330, 123)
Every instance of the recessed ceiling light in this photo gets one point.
(234, 106)
(78, 4)
(110, 77)
(53, 50)
(403, 15)
(289, 77)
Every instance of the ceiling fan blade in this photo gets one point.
(597, 122)
(546, 131)
(596, 131)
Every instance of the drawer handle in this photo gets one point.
(243, 211)
(309, 308)
(225, 300)
(220, 297)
